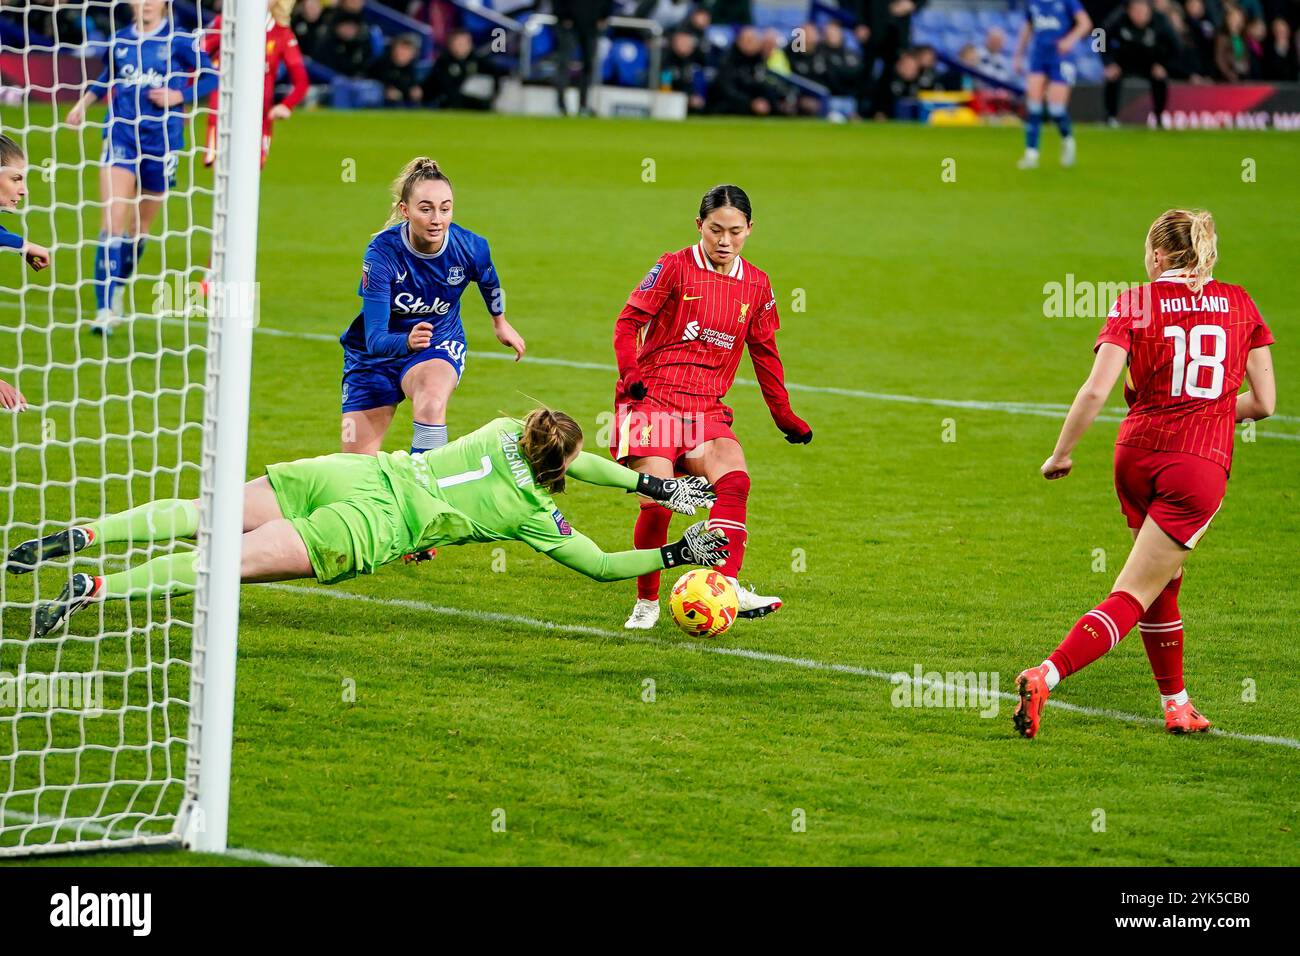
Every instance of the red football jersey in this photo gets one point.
(1187, 358)
(693, 324)
(281, 47)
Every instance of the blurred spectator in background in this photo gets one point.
(1281, 62)
(345, 44)
(1234, 59)
(1186, 62)
(774, 53)
(1201, 33)
(308, 25)
(992, 58)
(395, 68)
(580, 24)
(445, 87)
(683, 68)
(930, 76)
(744, 86)
(897, 87)
(1139, 43)
(845, 65)
(807, 56)
(808, 61)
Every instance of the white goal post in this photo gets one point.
(140, 752)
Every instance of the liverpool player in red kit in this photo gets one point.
(678, 342)
(1189, 342)
(281, 47)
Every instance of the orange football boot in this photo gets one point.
(1031, 685)
(1185, 719)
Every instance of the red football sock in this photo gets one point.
(728, 516)
(1096, 632)
(1162, 635)
(651, 531)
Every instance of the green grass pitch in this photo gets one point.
(914, 530)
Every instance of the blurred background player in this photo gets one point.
(408, 341)
(1051, 29)
(338, 516)
(13, 187)
(678, 342)
(281, 48)
(1139, 43)
(150, 70)
(1189, 342)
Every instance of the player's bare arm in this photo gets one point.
(1261, 400)
(1088, 403)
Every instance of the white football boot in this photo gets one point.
(1067, 151)
(1029, 160)
(105, 321)
(645, 615)
(751, 604)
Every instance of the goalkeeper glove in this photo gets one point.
(698, 545)
(682, 495)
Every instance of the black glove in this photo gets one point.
(698, 545)
(636, 389)
(682, 495)
(795, 429)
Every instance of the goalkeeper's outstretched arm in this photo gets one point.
(697, 545)
(683, 495)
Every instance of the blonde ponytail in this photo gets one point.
(421, 169)
(1188, 239)
(1205, 247)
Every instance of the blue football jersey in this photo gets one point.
(412, 287)
(137, 63)
(1050, 20)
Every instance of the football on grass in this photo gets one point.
(703, 603)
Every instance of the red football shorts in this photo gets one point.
(652, 431)
(1182, 493)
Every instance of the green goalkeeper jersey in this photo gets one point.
(488, 484)
(481, 488)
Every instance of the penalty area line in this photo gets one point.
(496, 617)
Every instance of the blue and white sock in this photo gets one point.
(1033, 123)
(1062, 120)
(427, 437)
(106, 255)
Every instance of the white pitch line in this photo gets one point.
(1036, 409)
(495, 617)
(93, 826)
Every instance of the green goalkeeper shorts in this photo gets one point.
(346, 512)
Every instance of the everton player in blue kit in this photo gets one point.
(408, 340)
(1052, 28)
(151, 73)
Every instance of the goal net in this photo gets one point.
(127, 350)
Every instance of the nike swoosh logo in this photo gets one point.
(689, 298)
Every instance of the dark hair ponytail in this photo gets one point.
(549, 438)
(720, 197)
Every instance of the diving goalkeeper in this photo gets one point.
(338, 516)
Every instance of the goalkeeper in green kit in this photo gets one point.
(338, 516)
